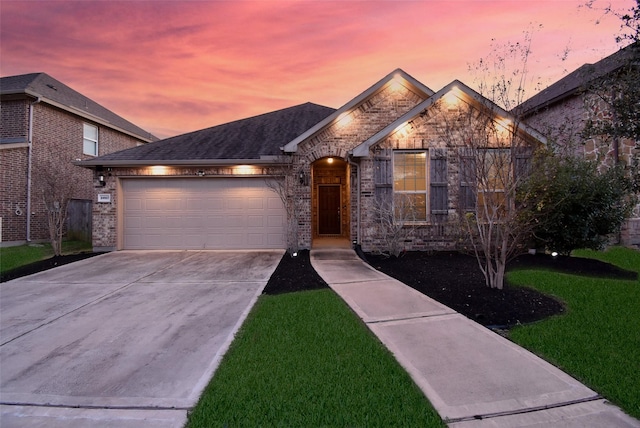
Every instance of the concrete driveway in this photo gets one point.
(125, 339)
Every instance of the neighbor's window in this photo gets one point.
(410, 185)
(90, 140)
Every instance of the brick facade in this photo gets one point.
(57, 141)
(356, 175)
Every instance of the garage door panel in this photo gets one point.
(274, 203)
(158, 204)
(275, 221)
(255, 221)
(211, 213)
(235, 219)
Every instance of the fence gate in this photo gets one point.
(79, 220)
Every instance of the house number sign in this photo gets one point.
(104, 197)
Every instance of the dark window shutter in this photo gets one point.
(467, 180)
(523, 156)
(438, 183)
(383, 175)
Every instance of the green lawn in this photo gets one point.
(598, 339)
(304, 359)
(13, 257)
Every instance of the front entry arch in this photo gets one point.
(330, 190)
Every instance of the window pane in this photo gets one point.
(410, 206)
(89, 148)
(90, 132)
(410, 171)
(497, 168)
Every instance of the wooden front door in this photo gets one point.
(329, 210)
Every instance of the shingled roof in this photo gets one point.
(578, 80)
(56, 93)
(253, 138)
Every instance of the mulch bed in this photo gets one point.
(294, 274)
(455, 280)
(43, 265)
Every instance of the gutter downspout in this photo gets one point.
(29, 166)
(349, 157)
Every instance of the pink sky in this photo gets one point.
(172, 67)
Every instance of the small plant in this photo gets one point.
(394, 224)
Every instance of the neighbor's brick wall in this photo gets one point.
(14, 116)
(57, 142)
(562, 123)
(13, 190)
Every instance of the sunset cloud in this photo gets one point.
(173, 67)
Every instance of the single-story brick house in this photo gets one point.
(214, 188)
(45, 126)
(561, 112)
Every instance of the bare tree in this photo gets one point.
(494, 154)
(282, 182)
(56, 183)
(494, 158)
(394, 223)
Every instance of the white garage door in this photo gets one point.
(201, 213)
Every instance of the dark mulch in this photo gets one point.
(455, 280)
(44, 265)
(294, 274)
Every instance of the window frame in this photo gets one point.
(423, 217)
(88, 139)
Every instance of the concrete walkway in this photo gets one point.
(472, 376)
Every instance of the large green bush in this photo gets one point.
(573, 204)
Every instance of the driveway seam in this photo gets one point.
(89, 407)
(97, 299)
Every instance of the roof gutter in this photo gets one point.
(180, 162)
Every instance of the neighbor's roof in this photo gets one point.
(252, 139)
(56, 93)
(578, 80)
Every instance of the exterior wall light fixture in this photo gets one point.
(303, 178)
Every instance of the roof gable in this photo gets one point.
(51, 91)
(456, 89)
(251, 139)
(397, 76)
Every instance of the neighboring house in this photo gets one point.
(213, 188)
(46, 126)
(561, 112)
